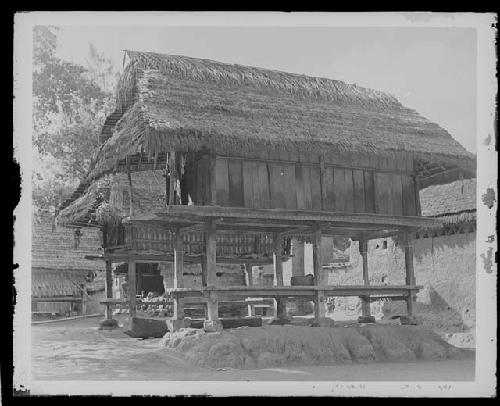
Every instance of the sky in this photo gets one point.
(431, 70)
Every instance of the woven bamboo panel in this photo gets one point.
(146, 238)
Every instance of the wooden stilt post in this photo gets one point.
(319, 276)
(213, 323)
(366, 316)
(178, 273)
(132, 288)
(210, 252)
(248, 274)
(278, 275)
(84, 300)
(108, 289)
(249, 282)
(410, 279)
(298, 269)
(204, 270)
(298, 257)
(278, 265)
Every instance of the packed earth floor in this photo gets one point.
(76, 350)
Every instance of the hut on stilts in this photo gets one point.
(253, 158)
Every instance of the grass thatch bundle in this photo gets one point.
(452, 203)
(179, 103)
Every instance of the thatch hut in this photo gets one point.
(63, 281)
(253, 155)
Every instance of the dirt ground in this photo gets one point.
(76, 350)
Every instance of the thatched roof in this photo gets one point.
(53, 247)
(169, 102)
(452, 203)
(148, 196)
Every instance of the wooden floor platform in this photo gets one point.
(285, 221)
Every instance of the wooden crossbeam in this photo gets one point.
(293, 291)
(189, 259)
(291, 217)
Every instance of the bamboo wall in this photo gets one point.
(150, 238)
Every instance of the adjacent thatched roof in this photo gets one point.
(53, 247)
(453, 203)
(148, 196)
(172, 102)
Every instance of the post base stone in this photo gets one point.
(211, 326)
(321, 322)
(366, 319)
(176, 324)
(280, 321)
(108, 324)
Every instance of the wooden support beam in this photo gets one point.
(410, 275)
(178, 259)
(132, 288)
(204, 270)
(292, 291)
(278, 265)
(248, 275)
(298, 268)
(108, 289)
(292, 217)
(211, 252)
(365, 300)
(278, 274)
(319, 304)
(319, 275)
(213, 306)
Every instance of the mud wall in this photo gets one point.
(445, 265)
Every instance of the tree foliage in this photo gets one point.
(70, 103)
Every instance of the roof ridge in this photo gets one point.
(200, 69)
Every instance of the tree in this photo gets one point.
(70, 104)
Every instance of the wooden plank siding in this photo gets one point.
(328, 185)
(359, 191)
(382, 185)
(222, 182)
(277, 186)
(314, 179)
(349, 191)
(369, 191)
(293, 180)
(248, 183)
(235, 176)
(339, 189)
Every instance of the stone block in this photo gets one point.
(211, 326)
(279, 322)
(233, 322)
(146, 327)
(108, 324)
(366, 319)
(322, 322)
